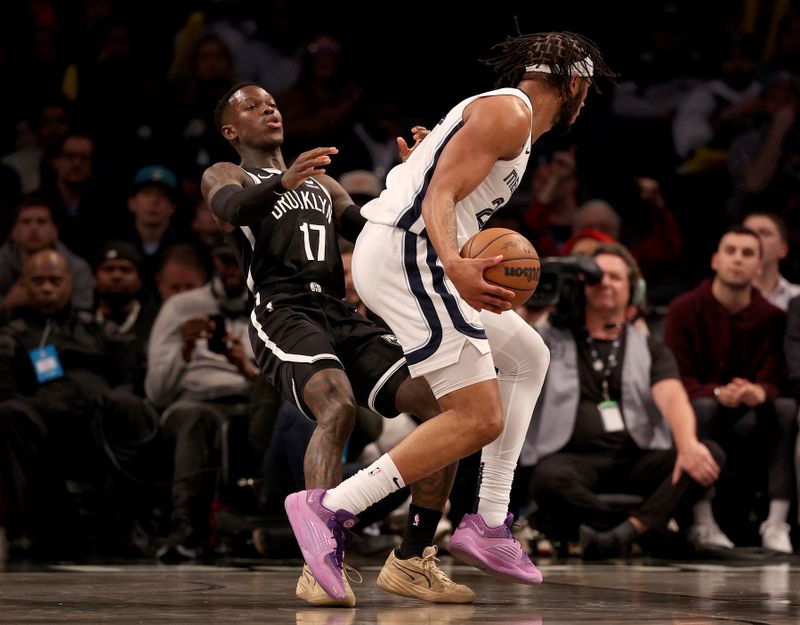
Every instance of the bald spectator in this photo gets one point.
(58, 380)
(33, 231)
(597, 215)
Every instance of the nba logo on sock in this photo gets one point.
(416, 520)
(375, 471)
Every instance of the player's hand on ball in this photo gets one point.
(466, 274)
(518, 269)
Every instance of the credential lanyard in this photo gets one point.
(45, 334)
(604, 367)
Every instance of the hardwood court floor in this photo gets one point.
(251, 592)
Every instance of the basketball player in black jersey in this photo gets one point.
(284, 223)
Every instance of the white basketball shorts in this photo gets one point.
(399, 278)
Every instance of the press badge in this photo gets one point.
(46, 363)
(612, 417)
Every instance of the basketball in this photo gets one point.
(519, 269)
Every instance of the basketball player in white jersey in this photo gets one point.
(456, 328)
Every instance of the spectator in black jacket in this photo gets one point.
(61, 409)
(125, 318)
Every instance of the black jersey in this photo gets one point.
(295, 245)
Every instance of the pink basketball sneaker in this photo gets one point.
(322, 535)
(493, 549)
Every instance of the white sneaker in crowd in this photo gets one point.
(775, 536)
(708, 536)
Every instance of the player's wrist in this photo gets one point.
(451, 261)
(281, 185)
(351, 223)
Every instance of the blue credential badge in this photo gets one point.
(46, 363)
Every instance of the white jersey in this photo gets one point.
(400, 204)
(396, 270)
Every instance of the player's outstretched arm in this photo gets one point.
(494, 128)
(233, 199)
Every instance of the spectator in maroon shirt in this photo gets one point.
(727, 340)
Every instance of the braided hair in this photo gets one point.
(559, 51)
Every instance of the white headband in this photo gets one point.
(583, 68)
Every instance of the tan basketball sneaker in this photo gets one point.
(309, 590)
(421, 578)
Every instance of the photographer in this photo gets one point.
(610, 398)
(200, 366)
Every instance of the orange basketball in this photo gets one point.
(519, 269)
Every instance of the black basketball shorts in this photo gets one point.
(294, 335)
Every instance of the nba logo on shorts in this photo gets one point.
(391, 339)
(375, 471)
(416, 520)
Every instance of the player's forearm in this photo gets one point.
(243, 206)
(349, 222)
(439, 214)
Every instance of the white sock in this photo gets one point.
(495, 491)
(366, 487)
(703, 513)
(521, 358)
(778, 511)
